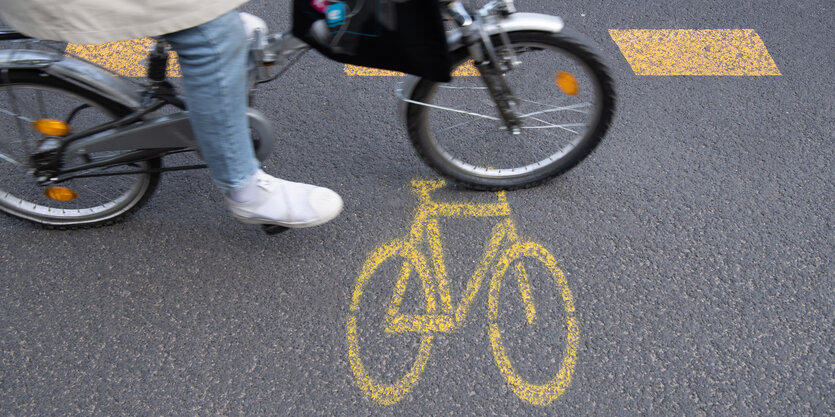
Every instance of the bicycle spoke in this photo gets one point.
(549, 125)
(553, 109)
(449, 109)
(9, 159)
(90, 190)
(17, 116)
(451, 87)
(459, 125)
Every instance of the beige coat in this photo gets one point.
(97, 21)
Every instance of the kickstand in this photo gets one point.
(273, 229)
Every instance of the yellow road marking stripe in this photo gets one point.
(466, 69)
(358, 71)
(695, 52)
(738, 52)
(124, 57)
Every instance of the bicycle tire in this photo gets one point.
(385, 393)
(21, 197)
(537, 394)
(483, 160)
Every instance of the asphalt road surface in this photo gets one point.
(696, 245)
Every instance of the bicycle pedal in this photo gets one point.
(273, 229)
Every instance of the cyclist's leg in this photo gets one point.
(213, 61)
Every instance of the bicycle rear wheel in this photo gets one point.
(565, 97)
(29, 95)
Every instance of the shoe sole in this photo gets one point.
(290, 225)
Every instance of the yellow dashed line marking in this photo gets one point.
(465, 70)
(738, 52)
(695, 52)
(358, 71)
(124, 57)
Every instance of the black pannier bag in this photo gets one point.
(397, 35)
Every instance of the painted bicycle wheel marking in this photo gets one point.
(502, 259)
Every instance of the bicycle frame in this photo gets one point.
(442, 318)
(150, 137)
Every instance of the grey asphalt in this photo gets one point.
(697, 242)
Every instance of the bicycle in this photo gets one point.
(84, 148)
(504, 249)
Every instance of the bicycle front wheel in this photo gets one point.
(527, 353)
(98, 196)
(564, 96)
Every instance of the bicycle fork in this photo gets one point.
(487, 61)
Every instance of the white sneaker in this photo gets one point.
(286, 203)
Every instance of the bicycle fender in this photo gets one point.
(515, 22)
(77, 72)
(169, 132)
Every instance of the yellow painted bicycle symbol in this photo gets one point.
(504, 251)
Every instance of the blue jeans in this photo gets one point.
(213, 58)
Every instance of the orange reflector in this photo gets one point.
(51, 127)
(61, 194)
(567, 83)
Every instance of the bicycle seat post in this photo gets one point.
(158, 62)
(160, 88)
